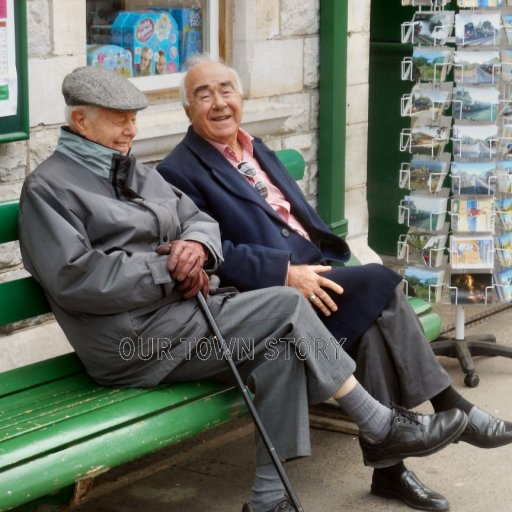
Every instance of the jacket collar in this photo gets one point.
(95, 157)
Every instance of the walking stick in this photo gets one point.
(248, 401)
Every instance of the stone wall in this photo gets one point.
(274, 46)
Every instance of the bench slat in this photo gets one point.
(9, 224)
(112, 411)
(50, 471)
(50, 370)
(21, 299)
(45, 397)
(293, 161)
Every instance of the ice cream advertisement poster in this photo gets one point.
(8, 76)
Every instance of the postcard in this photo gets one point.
(503, 176)
(477, 28)
(427, 100)
(476, 66)
(507, 25)
(471, 288)
(427, 137)
(427, 3)
(472, 214)
(424, 283)
(475, 139)
(480, 3)
(424, 211)
(468, 252)
(429, 28)
(430, 64)
(476, 103)
(504, 214)
(506, 64)
(503, 283)
(473, 177)
(504, 147)
(504, 249)
(424, 174)
(423, 248)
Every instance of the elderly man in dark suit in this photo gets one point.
(271, 236)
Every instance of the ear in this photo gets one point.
(187, 111)
(78, 119)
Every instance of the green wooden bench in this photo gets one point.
(59, 429)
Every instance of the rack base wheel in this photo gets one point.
(471, 380)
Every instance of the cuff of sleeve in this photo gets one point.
(159, 270)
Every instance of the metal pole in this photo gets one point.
(248, 401)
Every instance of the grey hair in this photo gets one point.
(199, 59)
(89, 110)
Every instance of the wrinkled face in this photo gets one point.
(115, 130)
(215, 104)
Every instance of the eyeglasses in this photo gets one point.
(250, 172)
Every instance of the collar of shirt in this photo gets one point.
(275, 198)
(244, 139)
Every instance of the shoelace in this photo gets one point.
(406, 415)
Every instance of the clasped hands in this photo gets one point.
(307, 279)
(185, 263)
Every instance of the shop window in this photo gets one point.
(150, 41)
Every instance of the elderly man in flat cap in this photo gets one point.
(121, 254)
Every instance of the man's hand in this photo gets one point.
(185, 263)
(307, 279)
(191, 287)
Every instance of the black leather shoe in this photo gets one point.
(409, 489)
(413, 435)
(489, 433)
(283, 506)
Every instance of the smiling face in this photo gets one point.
(215, 104)
(110, 128)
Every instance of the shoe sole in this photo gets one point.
(386, 493)
(385, 462)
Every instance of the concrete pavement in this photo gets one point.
(214, 472)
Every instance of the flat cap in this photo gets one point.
(89, 85)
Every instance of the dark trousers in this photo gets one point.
(394, 361)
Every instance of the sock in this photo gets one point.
(391, 472)
(450, 399)
(268, 490)
(372, 418)
(478, 416)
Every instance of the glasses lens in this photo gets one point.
(247, 169)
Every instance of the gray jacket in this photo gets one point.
(90, 221)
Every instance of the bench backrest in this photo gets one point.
(23, 298)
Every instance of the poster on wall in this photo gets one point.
(8, 75)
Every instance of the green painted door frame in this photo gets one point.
(332, 117)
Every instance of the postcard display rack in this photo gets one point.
(458, 202)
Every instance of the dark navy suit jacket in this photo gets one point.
(204, 174)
